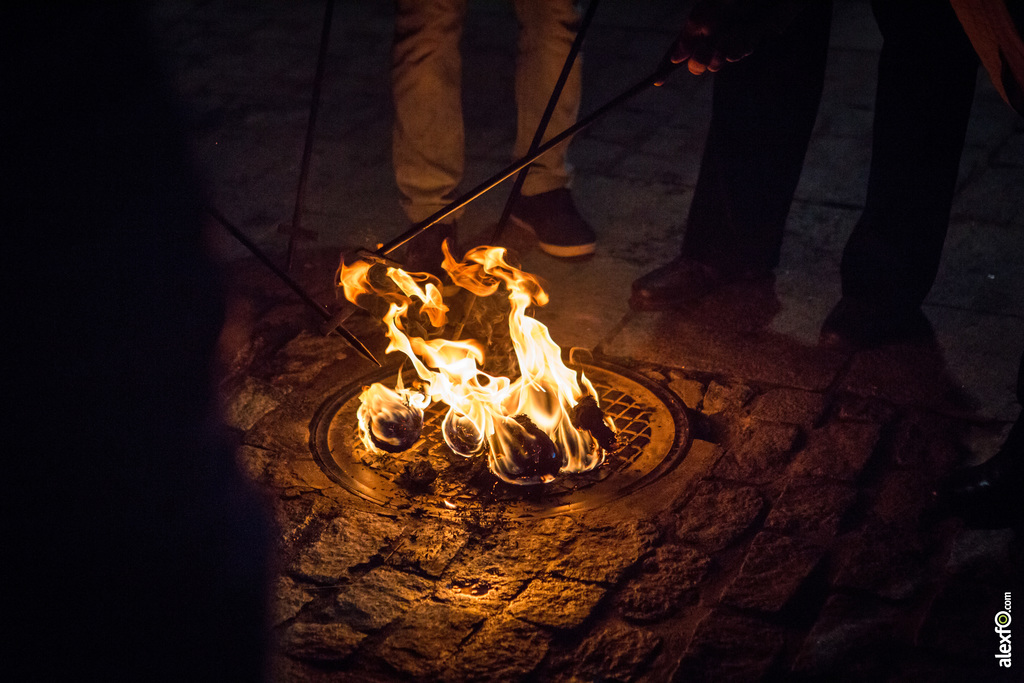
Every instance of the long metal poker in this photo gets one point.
(295, 230)
(295, 286)
(660, 74)
(545, 119)
(664, 69)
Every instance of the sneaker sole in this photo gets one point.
(558, 250)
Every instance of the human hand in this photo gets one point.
(721, 31)
(717, 32)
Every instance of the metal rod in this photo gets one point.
(307, 151)
(659, 75)
(545, 119)
(664, 69)
(295, 286)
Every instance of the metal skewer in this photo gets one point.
(545, 119)
(660, 74)
(664, 69)
(295, 229)
(295, 286)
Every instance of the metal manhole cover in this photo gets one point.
(652, 426)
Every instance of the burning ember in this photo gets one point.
(544, 422)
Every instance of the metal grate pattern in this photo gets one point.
(652, 435)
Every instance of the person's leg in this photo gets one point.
(428, 149)
(763, 112)
(926, 76)
(547, 29)
(428, 144)
(764, 108)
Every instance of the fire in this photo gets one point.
(525, 424)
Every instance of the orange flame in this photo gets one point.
(525, 424)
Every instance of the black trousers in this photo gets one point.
(763, 113)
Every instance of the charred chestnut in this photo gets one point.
(398, 430)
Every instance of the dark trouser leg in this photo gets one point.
(764, 109)
(926, 76)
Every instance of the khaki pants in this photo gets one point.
(429, 140)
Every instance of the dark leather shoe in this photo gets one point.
(674, 285)
(857, 323)
(682, 283)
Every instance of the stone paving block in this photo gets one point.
(853, 408)
(284, 431)
(924, 441)
(426, 636)
(288, 599)
(772, 571)
(689, 390)
(557, 603)
(1011, 153)
(346, 541)
(721, 397)
(249, 403)
(305, 356)
(718, 514)
(993, 198)
(904, 497)
(839, 450)
(790, 406)
(266, 467)
(760, 454)
(729, 648)
(810, 508)
(740, 308)
(429, 547)
(935, 377)
(294, 515)
(823, 180)
(981, 355)
(645, 166)
(570, 323)
(663, 584)
(601, 555)
(760, 357)
(376, 599)
(887, 561)
(332, 642)
(979, 269)
(494, 570)
(504, 649)
(614, 652)
(851, 634)
(985, 556)
(308, 473)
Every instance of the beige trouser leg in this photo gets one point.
(547, 29)
(428, 150)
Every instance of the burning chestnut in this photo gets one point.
(390, 420)
(533, 452)
(587, 415)
(461, 434)
(397, 430)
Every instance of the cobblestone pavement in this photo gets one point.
(795, 539)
